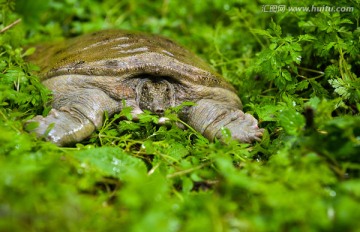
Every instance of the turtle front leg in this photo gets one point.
(209, 116)
(63, 127)
(75, 115)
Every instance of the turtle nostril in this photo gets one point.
(159, 111)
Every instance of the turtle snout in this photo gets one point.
(159, 110)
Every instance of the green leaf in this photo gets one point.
(268, 112)
(177, 150)
(261, 32)
(275, 28)
(111, 161)
(187, 184)
(286, 75)
(302, 85)
(29, 52)
(292, 121)
(340, 87)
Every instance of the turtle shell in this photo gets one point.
(125, 54)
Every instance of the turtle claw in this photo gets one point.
(61, 127)
(245, 129)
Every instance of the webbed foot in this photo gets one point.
(209, 117)
(243, 127)
(62, 127)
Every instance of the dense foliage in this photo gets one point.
(296, 71)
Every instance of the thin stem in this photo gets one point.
(6, 119)
(183, 172)
(311, 70)
(10, 26)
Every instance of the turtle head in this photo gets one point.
(155, 95)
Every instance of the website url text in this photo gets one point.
(284, 8)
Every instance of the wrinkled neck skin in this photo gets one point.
(155, 95)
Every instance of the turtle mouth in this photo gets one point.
(155, 94)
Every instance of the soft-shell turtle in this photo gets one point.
(94, 73)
